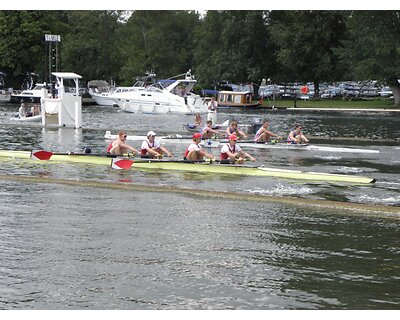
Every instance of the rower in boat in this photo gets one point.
(235, 130)
(119, 145)
(208, 132)
(194, 151)
(232, 153)
(151, 148)
(264, 135)
(296, 136)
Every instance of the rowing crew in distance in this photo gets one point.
(263, 134)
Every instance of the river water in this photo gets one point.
(88, 237)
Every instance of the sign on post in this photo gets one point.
(52, 37)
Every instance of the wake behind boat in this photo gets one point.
(197, 167)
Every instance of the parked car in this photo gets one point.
(385, 92)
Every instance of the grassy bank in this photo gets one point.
(380, 103)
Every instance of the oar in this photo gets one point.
(46, 155)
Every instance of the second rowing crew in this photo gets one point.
(263, 134)
(151, 148)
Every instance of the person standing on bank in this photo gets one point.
(212, 111)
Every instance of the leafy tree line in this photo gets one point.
(238, 46)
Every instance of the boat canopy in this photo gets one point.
(66, 75)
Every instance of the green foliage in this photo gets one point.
(238, 46)
(89, 46)
(306, 41)
(373, 48)
(161, 41)
(232, 45)
(22, 40)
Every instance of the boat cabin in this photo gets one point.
(236, 99)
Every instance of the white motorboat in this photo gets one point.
(163, 97)
(105, 98)
(31, 95)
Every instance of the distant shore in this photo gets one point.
(377, 104)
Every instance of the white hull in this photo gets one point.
(161, 103)
(106, 98)
(306, 147)
(102, 99)
(37, 118)
(176, 98)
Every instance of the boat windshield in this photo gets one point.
(154, 88)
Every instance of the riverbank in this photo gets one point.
(335, 104)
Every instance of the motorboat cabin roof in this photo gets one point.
(236, 99)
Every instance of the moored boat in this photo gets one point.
(230, 99)
(31, 95)
(200, 167)
(163, 97)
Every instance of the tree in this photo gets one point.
(306, 42)
(22, 40)
(373, 47)
(89, 44)
(161, 41)
(233, 45)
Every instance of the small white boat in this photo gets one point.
(36, 118)
(163, 97)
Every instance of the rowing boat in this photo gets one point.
(306, 147)
(201, 167)
(216, 143)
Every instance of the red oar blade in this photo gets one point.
(118, 163)
(41, 155)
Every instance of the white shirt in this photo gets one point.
(194, 146)
(146, 144)
(227, 147)
(212, 106)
